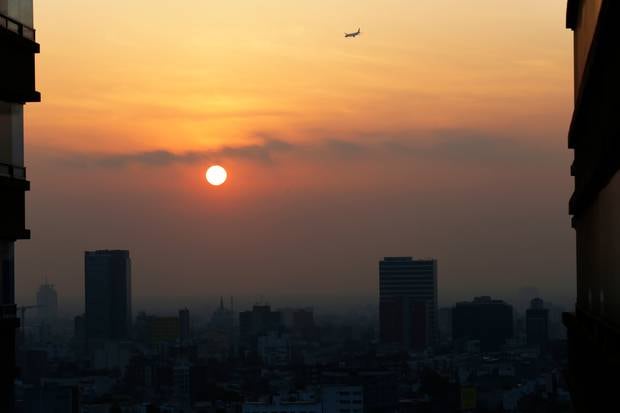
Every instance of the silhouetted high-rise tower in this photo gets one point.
(537, 323)
(408, 302)
(108, 295)
(184, 325)
(17, 87)
(47, 302)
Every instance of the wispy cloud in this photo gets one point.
(452, 146)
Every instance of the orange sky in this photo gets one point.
(151, 74)
(454, 113)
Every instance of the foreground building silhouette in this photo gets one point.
(594, 327)
(17, 87)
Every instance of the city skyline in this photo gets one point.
(423, 136)
(342, 304)
(396, 215)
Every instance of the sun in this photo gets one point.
(216, 175)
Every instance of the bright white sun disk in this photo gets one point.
(216, 175)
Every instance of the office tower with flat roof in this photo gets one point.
(484, 319)
(408, 302)
(108, 294)
(17, 87)
(537, 324)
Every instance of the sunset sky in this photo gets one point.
(440, 131)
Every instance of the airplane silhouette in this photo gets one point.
(354, 34)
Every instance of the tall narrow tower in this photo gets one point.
(107, 285)
(18, 48)
(408, 302)
(47, 302)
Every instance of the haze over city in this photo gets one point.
(428, 135)
(266, 206)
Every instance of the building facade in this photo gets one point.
(537, 324)
(184, 325)
(341, 399)
(408, 302)
(489, 321)
(327, 399)
(47, 303)
(593, 328)
(17, 87)
(108, 295)
(153, 329)
(260, 321)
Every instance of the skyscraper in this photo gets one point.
(108, 294)
(537, 323)
(17, 87)
(184, 325)
(408, 302)
(221, 331)
(47, 302)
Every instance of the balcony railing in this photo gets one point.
(17, 27)
(11, 171)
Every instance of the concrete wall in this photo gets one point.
(586, 25)
(11, 134)
(598, 255)
(7, 275)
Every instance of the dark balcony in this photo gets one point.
(13, 187)
(12, 171)
(17, 51)
(17, 27)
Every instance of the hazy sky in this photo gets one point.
(440, 131)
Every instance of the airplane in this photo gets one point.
(354, 34)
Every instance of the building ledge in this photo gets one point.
(14, 235)
(14, 96)
(12, 171)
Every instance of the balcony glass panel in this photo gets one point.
(20, 10)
